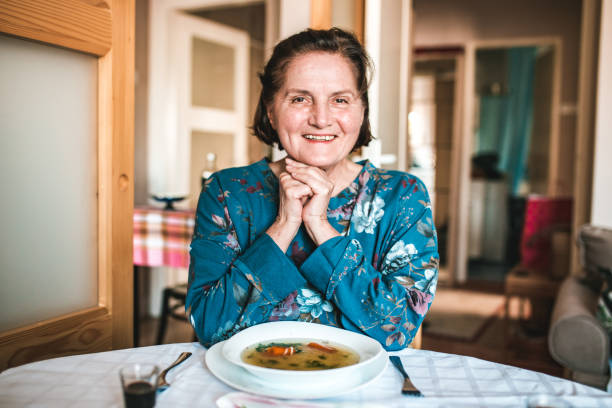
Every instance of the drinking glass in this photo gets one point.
(139, 383)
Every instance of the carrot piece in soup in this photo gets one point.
(322, 347)
(280, 351)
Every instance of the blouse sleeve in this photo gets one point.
(230, 287)
(385, 300)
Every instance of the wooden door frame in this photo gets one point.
(465, 148)
(585, 124)
(458, 55)
(104, 29)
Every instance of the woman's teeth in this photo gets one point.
(319, 138)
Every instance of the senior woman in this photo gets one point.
(313, 237)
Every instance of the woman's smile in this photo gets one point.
(320, 138)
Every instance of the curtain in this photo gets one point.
(506, 118)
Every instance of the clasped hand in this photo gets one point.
(304, 194)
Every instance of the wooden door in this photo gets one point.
(210, 64)
(102, 30)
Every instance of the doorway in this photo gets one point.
(512, 137)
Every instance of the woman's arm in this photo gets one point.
(232, 286)
(386, 297)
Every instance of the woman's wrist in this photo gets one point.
(319, 229)
(282, 232)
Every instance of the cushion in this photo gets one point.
(543, 216)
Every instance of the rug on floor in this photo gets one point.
(461, 314)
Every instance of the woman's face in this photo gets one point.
(318, 111)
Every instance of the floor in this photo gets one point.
(528, 347)
(490, 271)
(525, 351)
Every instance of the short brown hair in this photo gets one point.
(335, 41)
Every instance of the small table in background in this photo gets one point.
(529, 285)
(161, 238)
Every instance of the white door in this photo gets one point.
(210, 66)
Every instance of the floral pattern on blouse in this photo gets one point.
(378, 278)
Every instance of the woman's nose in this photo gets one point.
(320, 116)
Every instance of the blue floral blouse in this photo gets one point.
(378, 278)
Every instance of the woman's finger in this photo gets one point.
(292, 187)
(315, 178)
(290, 162)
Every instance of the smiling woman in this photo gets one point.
(313, 237)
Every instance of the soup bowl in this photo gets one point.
(368, 349)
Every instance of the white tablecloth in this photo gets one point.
(447, 380)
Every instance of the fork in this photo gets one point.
(408, 387)
(162, 384)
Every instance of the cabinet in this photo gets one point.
(488, 219)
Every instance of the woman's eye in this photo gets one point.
(341, 100)
(298, 99)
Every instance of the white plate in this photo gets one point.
(367, 348)
(243, 380)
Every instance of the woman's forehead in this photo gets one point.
(319, 67)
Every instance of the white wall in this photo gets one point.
(386, 42)
(601, 210)
(388, 71)
(294, 16)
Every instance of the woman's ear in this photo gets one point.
(271, 118)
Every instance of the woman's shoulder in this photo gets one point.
(253, 179)
(387, 180)
(241, 175)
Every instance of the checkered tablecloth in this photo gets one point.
(162, 237)
(446, 380)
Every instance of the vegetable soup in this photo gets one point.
(299, 354)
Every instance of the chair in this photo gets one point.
(173, 305)
(577, 339)
(543, 249)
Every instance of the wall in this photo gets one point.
(601, 210)
(294, 16)
(386, 38)
(451, 23)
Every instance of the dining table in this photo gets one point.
(445, 380)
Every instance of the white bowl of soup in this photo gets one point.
(300, 351)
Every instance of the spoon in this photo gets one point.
(408, 387)
(162, 384)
